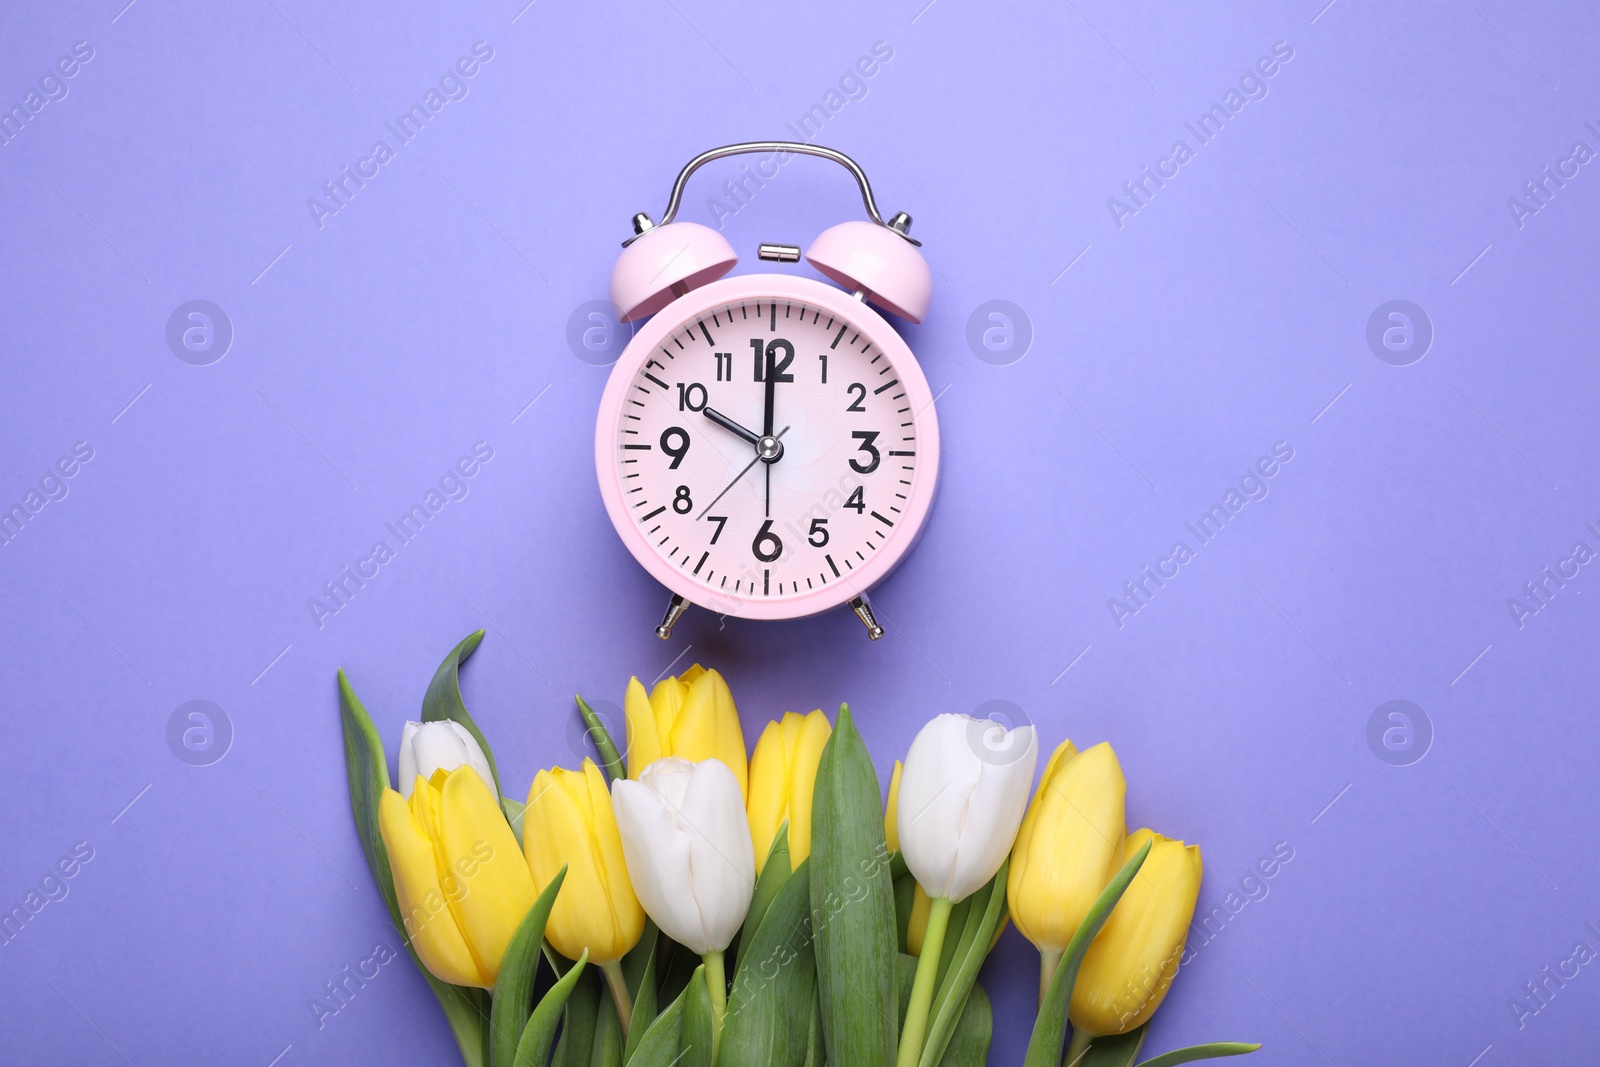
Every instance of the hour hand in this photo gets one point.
(733, 427)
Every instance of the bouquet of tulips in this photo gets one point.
(691, 907)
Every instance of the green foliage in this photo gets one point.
(852, 904)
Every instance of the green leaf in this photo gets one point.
(1115, 1050)
(774, 874)
(699, 1028)
(610, 758)
(662, 1044)
(513, 989)
(678, 972)
(367, 769)
(607, 1051)
(816, 1053)
(1200, 1052)
(1050, 1028)
(533, 1049)
(776, 971)
(987, 912)
(852, 904)
(969, 1041)
(640, 957)
(643, 989)
(443, 699)
(577, 1032)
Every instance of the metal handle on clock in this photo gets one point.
(899, 224)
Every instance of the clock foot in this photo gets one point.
(863, 612)
(675, 609)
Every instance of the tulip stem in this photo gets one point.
(1049, 960)
(1078, 1048)
(619, 993)
(915, 1030)
(717, 985)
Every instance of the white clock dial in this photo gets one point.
(840, 449)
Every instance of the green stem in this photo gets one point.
(1079, 1047)
(1049, 960)
(619, 993)
(717, 984)
(915, 1030)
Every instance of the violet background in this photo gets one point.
(1168, 354)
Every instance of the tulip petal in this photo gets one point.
(408, 758)
(555, 831)
(1071, 849)
(627, 914)
(569, 821)
(421, 899)
(811, 740)
(721, 857)
(769, 791)
(891, 811)
(475, 757)
(643, 739)
(658, 860)
(940, 776)
(963, 793)
(708, 727)
(994, 813)
(482, 855)
(666, 702)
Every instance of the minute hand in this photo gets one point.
(772, 384)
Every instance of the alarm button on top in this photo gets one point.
(665, 262)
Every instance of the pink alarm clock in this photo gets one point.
(767, 446)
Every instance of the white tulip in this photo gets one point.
(426, 747)
(687, 842)
(963, 793)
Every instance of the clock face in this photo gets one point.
(773, 450)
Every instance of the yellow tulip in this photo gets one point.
(459, 877)
(1068, 847)
(783, 771)
(691, 716)
(569, 821)
(1129, 966)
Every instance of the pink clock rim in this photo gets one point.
(706, 299)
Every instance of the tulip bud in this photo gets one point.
(569, 821)
(1069, 845)
(783, 772)
(1129, 966)
(691, 716)
(688, 848)
(459, 877)
(962, 794)
(444, 745)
